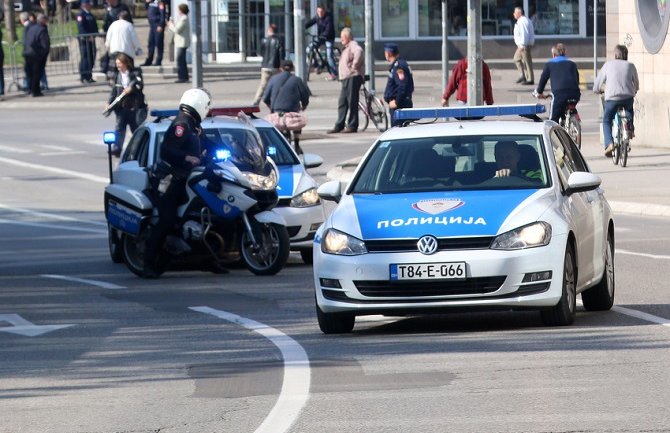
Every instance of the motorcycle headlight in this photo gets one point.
(259, 182)
(306, 199)
(533, 235)
(336, 242)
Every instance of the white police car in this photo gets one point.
(299, 202)
(431, 223)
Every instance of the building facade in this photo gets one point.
(232, 24)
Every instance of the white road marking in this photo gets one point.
(12, 149)
(649, 256)
(640, 315)
(24, 327)
(96, 283)
(295, 388)
(51, 215)
(55, 147)
(91, 177)
(71, 152)
(53, 226)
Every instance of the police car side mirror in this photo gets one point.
(331, 190)
(312, 160)
(581, 181)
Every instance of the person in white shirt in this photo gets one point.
(524, 38)
(122, 38)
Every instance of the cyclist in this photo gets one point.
(564, 81)
(400, 84)
(622, 84)
(326, 34)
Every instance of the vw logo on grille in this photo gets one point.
(427, 245)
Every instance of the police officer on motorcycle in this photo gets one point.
(179, 152)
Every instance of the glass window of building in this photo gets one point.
(430, 17)
(394, 18)
(350, 14)
(554, 17)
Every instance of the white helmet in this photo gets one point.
(197, 101)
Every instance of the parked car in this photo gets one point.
(431, 222)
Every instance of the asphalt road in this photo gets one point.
(199, 352)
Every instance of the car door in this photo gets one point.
(132, 171)
(576, 207)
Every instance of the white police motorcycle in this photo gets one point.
(227, 219)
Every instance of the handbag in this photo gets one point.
(291, 121)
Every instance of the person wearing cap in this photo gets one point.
(400, 84)
(286, 93)
(87, 27)
(351, 73)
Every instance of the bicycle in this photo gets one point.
(570, 120)
(317, 60)
(621, 136)
(373, 109)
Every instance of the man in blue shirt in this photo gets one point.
(400, 84)
(564, 81)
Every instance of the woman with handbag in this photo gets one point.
(126, 100)
(287, 96)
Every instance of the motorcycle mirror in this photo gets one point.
(109, 137)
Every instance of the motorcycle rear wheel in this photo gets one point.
(132, 249)
(273, 250)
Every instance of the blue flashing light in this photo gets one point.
(222, 154)
(272, 150)
(464, 112)
(109, 137)
(163, 113)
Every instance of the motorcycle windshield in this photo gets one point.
(242, 147)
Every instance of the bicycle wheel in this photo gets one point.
(575, 129)
(336, 56)
(616, 153)
(623, 149)
(378, 114)
(363, 123)
(311, 63)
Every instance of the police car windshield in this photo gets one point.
(454, 163)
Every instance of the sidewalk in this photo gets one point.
(641, 188)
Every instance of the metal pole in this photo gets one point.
(595, 38)
(288, 32)
(369, 43)
(299, 39)
(196, 79)
(242, 37)
(445, 45)
(474, 52)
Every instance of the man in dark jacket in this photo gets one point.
(87, 27)
(325, 30)
(287, 93)
(273, 53)
(564, 81)
(400, 84)
(182, 151)
(36, 51)
(156, 15)
(112, 12)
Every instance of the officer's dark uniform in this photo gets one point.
(397, 89)
(87, 25)
(156, 15)
(182, 139)
(111, 15)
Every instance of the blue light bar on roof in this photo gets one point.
(476, 111)
(163, 113)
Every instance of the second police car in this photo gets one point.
(299, 202)
(466, 215)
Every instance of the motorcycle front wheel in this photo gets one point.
(272, 250)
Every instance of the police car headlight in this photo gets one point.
(258, 182)
(306, 199)
(336, 242)
(533, 235)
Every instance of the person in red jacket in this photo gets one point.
(458, 83)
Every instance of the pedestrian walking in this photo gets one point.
(400, 84)
(37, 44)
(131, 108)
(273, 54)
(351, 73)
(156, 15)
(182, 40)
(122, 38)
(524, 38)
(458, 83)
(286, 93)
(87, 27)
(112, 12)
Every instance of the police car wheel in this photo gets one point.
(306, 256)
(114, 240)
(335, 323)
(563, 313)
(601, 296)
